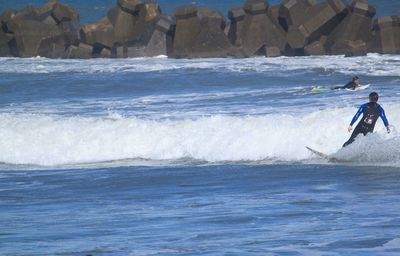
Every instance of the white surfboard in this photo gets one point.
(322, 155)
(359, 88)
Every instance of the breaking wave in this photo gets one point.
(51, 140)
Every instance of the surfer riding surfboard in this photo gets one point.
(371, 111)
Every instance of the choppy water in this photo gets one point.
(196, 157)
(203, 210)
(211, 110)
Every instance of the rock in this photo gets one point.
(82, 51)
(129, 6)
(62, 13)
(199, 34)
(272, 51)
(58, 12)
(227, 28)
(39, 31)
(135, 51)
(124, 51)
(30, 13)
(11, 21)
(236, 16)
(45, 10)
(136, 29)
(127, 26)
(315, 48)
(101, 32)
(149, 14)
(49, 20)
(5, 18)
(5, 39)
(322, 20)
(253, 30)
(105, 53)
(350, 48)
(387, 35)
(118, 51)
(186, 12)
(255, 7)
(52, 47)
(293, 13)
(273, 13)
(29, 34)
(354, 32)
(160, 42)
(123, 25)
(71, 35)
(165, 24)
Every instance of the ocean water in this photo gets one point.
(93, 10)
(155, 156)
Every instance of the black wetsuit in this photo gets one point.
(350, 85)
(371, 112)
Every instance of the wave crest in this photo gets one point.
(55, 140)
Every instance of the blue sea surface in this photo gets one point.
(156, 156)
(201, 210)
(93, 10)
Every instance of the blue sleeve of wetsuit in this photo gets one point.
(359, 112)
(383, 116)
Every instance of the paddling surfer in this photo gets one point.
(352, 85)
(371, 112)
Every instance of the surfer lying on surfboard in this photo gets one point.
(353, 85)
(371, 112)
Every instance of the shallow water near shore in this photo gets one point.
(156, 156)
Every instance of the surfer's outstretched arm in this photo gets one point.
(384, 119)
(383, 116)
(357, 115)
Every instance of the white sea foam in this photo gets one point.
(57, 140)
(373, 64)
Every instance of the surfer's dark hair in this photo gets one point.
(373, 97)
(355, 78)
